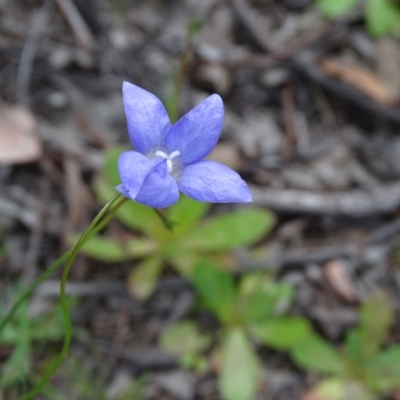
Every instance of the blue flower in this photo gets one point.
(169, 157)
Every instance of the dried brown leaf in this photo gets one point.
(340, 280)
(364, 80)
(19, 141)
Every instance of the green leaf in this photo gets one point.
(229, 231)
(340, 389)
(186, 213)
(110, 250)
(18, 365)
(143, 278)
(384, 370)
(239, 368)
(133, 215)
(259, 297)
(356, 350)
(184, 338)
(282, 333)
(316, 355)
(382, 17)
(216, 288)
(335, 8)
(183, 260)
(100, 248)
(376, 318)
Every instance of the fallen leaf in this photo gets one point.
(364, 80)
(19, 140)
(339, 279)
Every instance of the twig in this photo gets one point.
(294, 258)
(39, 23)
(36, 236)
(382, 199)
(345, 91)
(78, 25)
(288, 122)
(250, 20)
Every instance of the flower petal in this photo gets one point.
(197, 132)
(146, 116)
(214, 183)
(133, 168)
(159, 189)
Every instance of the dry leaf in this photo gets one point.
(340, 280)
(19, 141)
(362, 79)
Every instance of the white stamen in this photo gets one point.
(169, 166)
(161, 154)
(169, 158)
(174, 154)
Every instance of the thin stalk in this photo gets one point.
(68, 331)
(50, 270)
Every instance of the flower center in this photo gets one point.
(169, 158)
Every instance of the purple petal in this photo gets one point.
(197, 132)
(133, 168)
(159, 189)
(214, 183)
(147, 118)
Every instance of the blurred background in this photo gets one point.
(293, 297)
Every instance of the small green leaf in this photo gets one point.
(216, 287)
(384, 370)
(101, 248)
(382, 17)
(18, 365)
(239, 368)
(317, 355)
(259, 297)
(282, 333)
(110, 250)
(133, 215)
(184, 338)
(376, 318)
(335, 8)
(356, 349)
(143, 278)
(138, 247)
(229, 231)
(340, 389)
(195, 26)
(183, 260)
(186, 213)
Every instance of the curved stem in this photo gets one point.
(96, 225)
(49, 271)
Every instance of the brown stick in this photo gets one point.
(382, 199)
(78, 25)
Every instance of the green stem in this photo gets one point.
(96, 225)
(49, 271)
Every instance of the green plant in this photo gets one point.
(248, 311)
(362, 370)
(382, 16)
(20, 335)
(182, 248)
(185, 341)
(78, 381)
